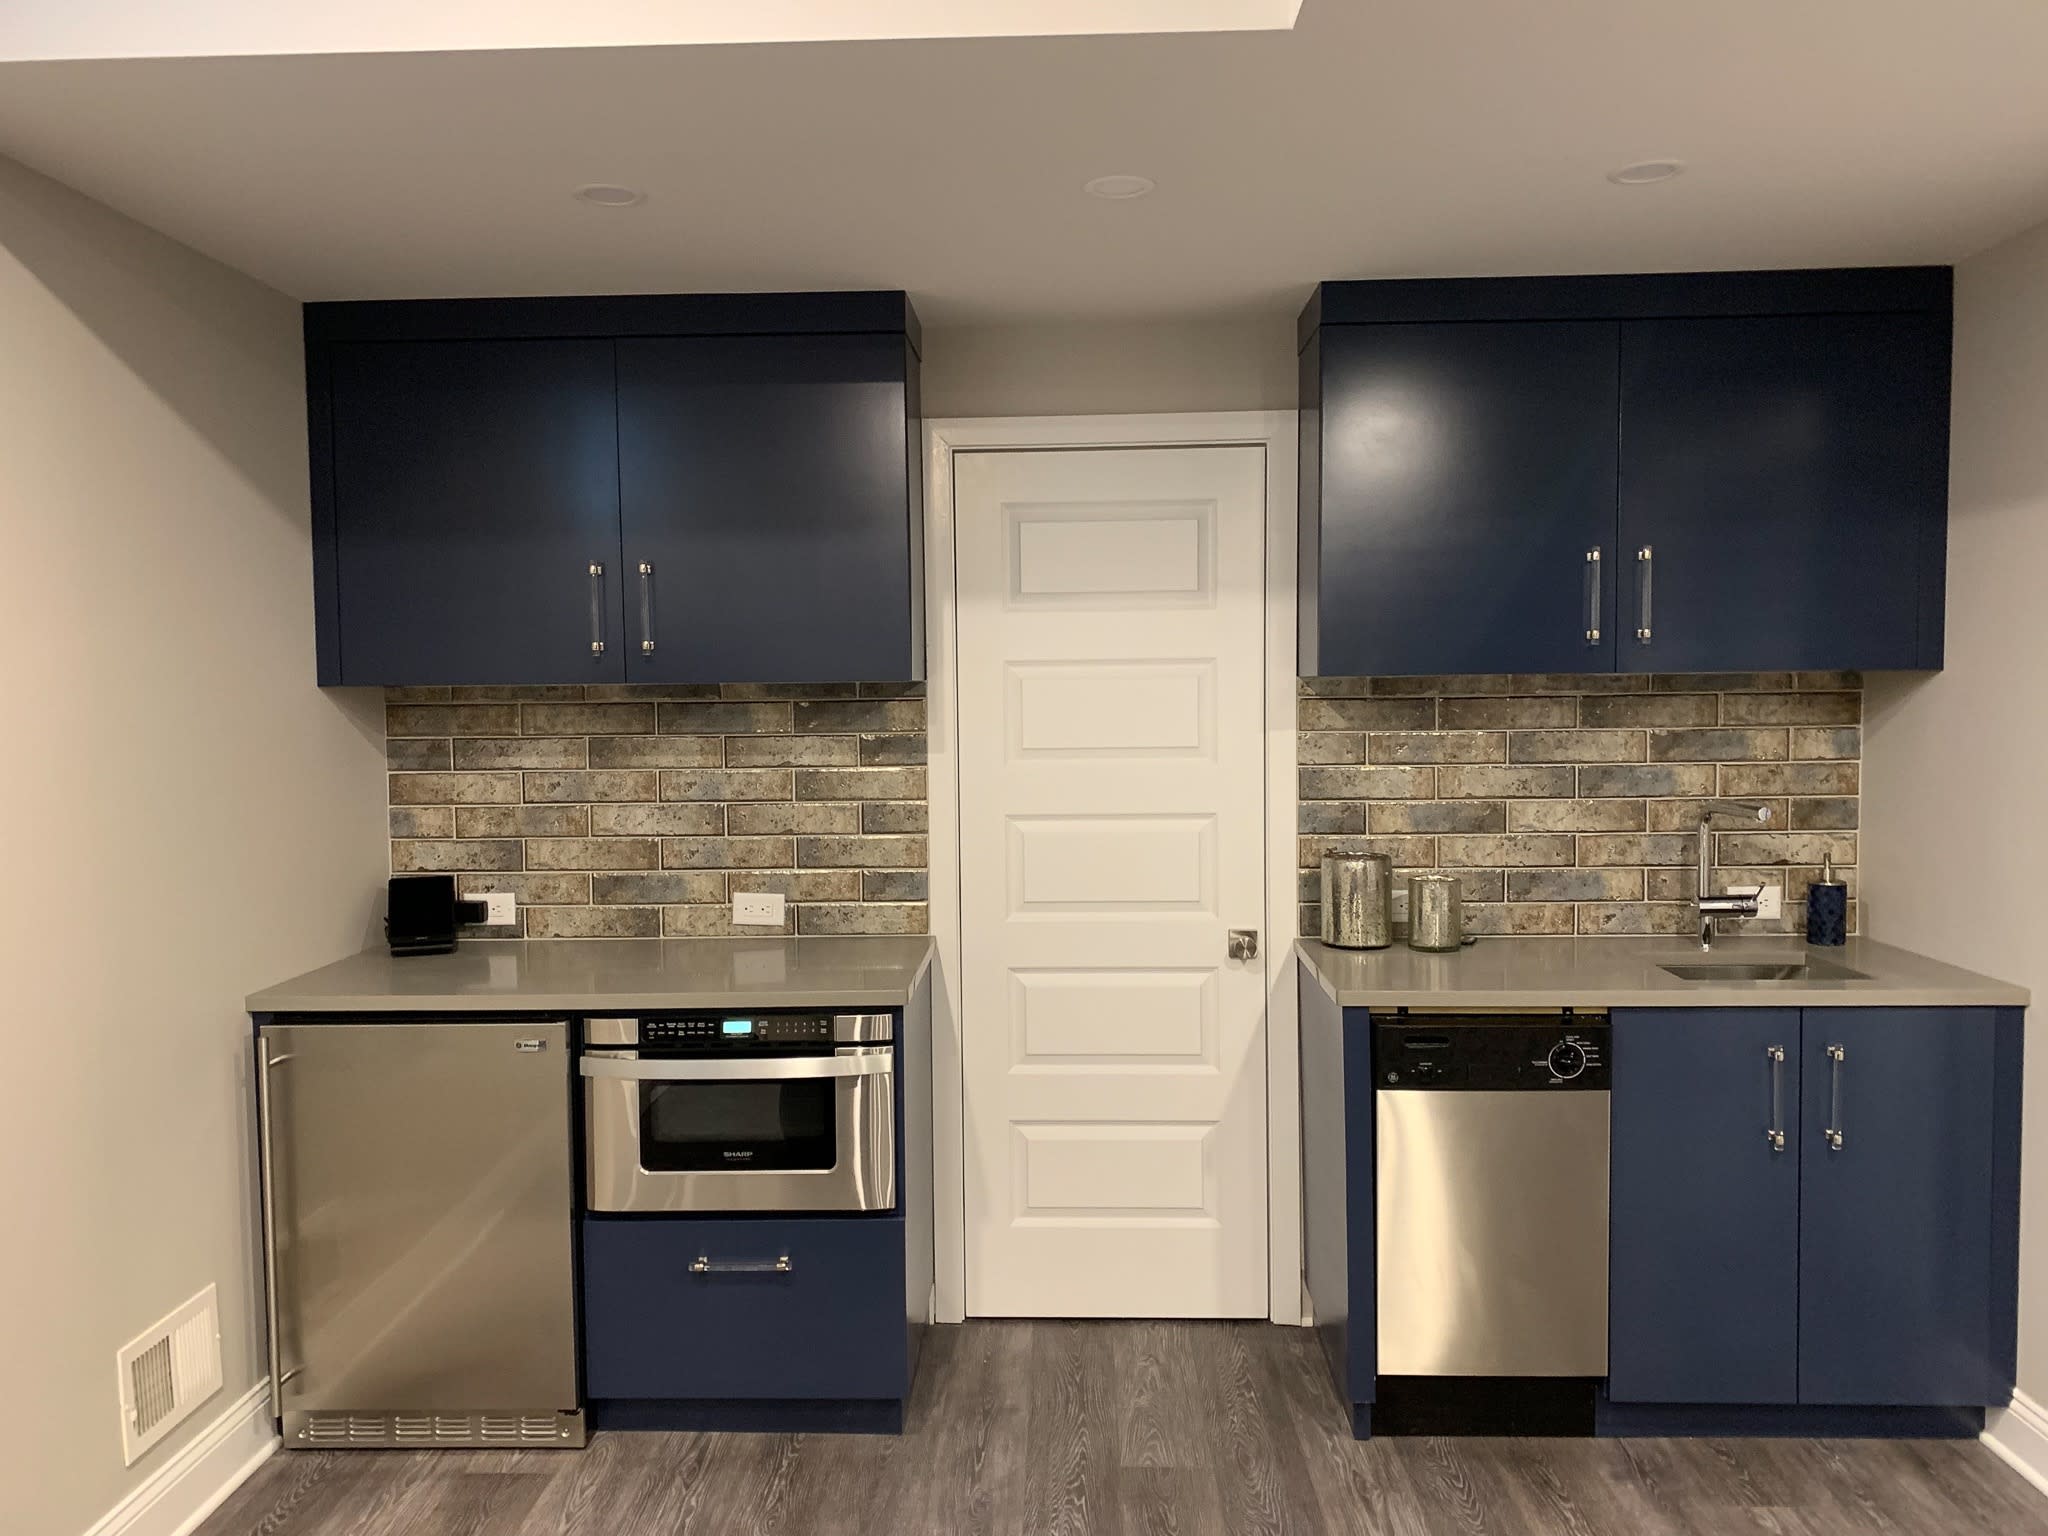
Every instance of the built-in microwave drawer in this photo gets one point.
(765, 1307)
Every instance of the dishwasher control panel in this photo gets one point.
(1546, 1052)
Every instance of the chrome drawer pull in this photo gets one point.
(703, 1264)
(1643, 558)
(646, 608)
(1833, 1133)
(1593, 595)
(596, 610)
(1776, 1133)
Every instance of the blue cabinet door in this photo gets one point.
(1465, 474)
(766, 488)
(1788, 477)
(1897, 1191)
(474, 485)
(1704, 1280)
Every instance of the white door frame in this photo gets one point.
(1275, 432)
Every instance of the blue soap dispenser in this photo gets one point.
(1827, 907)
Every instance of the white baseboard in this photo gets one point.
(196, 1480)
(2019, 1436)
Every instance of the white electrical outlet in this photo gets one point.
(755, 909)
(503, 906)
(1770, 902)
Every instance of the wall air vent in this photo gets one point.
(168, 1371)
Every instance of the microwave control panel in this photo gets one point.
(738, 1029)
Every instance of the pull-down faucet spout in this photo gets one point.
(1710, 905)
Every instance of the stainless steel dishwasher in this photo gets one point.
(417, 1199)
(1491, 1137)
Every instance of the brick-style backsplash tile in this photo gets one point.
(663, 888)
(587, 719)
(591, 853)
(728, 853)
(1600, 782)
(622, 811)
(726, 719)
(657, 820)
(767, 818)
(1572, 804)
(451, 720)
(866, 716)
(655, 752)
(522, 821)
(583, 786)
(1503, 783)
(894, 816)
(454, 789)
(417, 754)
(1437, 747)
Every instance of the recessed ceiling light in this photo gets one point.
(1118, 189)
(607, 196)
(1643, 172)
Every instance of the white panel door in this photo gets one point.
(1112, 831)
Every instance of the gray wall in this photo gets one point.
(1952, 792)
(193, 818)
(1107, 368)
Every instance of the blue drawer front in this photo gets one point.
(833, 1326)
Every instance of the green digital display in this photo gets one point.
(739, 1026)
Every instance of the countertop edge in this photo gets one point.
(291, 997)
(578, 1002)
(1970, 991)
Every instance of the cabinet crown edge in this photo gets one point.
(853, 311)
(1628, 296)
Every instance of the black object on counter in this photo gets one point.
(421, 912)
(1827, 907)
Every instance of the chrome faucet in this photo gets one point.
(1731, 905)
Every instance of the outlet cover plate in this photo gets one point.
(757, 909)
(503, 906)
(1770, 901)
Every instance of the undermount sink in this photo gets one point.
(1751, 970)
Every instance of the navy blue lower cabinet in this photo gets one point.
(1704, 1280)
(1896, 1241)
(1338, 1257)
(765, 1308)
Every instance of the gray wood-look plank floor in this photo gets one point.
(1194, 1429)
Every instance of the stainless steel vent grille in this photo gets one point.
(403, 1428)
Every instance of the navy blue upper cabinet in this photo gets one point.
(1704, 1275)
(764, 484)
(1777, 442)
(1467, 500)
(1896, 1208)
(1784, 485)
(489, 477)
(475, 485)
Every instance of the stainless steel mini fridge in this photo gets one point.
(417, 1199)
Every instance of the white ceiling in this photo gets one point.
(1377, 138)
(150, 29)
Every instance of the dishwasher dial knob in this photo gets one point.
(1567, 1060)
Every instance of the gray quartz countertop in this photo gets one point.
(607, 975)
(1627, 973)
